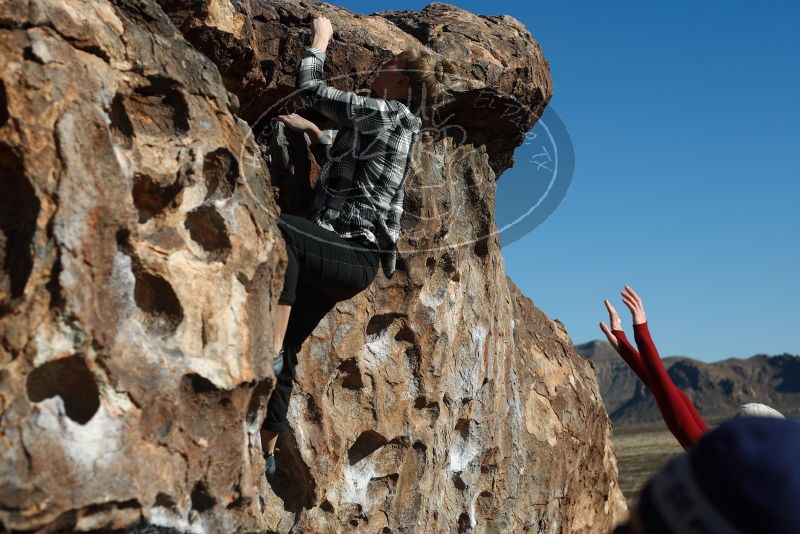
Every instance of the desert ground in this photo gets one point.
(641, 451)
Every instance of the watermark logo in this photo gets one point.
(532, 190)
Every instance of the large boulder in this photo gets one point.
(142, 265)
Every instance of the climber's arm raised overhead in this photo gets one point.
(678, 412)
(617, 338)
(361, 113)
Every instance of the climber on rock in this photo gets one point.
(354, 222)
(676, 408)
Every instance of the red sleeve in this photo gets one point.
(679, 415)
(630, 355)
(634, 361)
(693, 411)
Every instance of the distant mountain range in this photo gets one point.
(717, 389)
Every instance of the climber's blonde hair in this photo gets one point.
(427, 74)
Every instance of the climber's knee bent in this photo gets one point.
(339, 268)
(323, 269)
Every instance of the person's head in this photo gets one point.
(743, 477)
(754, 409)
(414, 76)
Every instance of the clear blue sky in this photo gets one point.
(685, 118)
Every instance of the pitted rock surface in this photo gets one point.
(142, 265)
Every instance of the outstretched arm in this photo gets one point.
(618, 340)
(678, 412)
(634, 361)
(361, 113)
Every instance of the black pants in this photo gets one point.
(323, 269)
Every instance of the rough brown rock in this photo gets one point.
(146, 262)
(141, 267)
(499, 90)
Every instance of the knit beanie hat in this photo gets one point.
(755, 409)
(741, 478)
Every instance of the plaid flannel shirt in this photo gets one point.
(359, 194)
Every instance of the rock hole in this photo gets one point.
(400, 264)
(165, 501)
(326, 506)
(103, 511)
(121, 127)
(123, 239)
(202, 500)
(19, 209)
(313, 411)
(158, 109)
(405, 333)
(463, 427)
(381, 322)
(433, 406)
(367, 443)
(268, 70)
(3, 104)
(207, 228)
(221, 173)
(489, 460)
(70, 379)
(352, 374)
(419, 446)
(482, 247)
(53, 285)
(430, 263)
(151, 197)
(448, 263)
(464, 524)
(458, 482)
(200, 384)
(401, 441)
(161, 309)
(204, 332)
